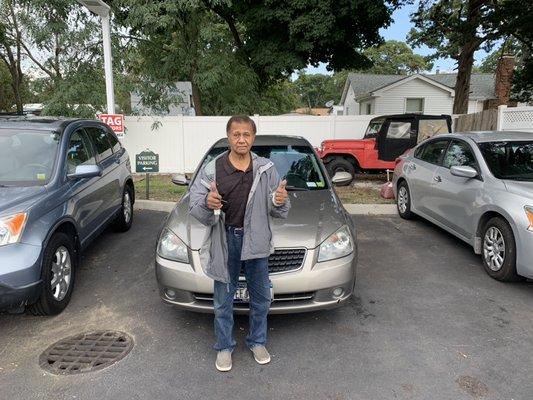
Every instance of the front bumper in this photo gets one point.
(309, 288)
(20, 267)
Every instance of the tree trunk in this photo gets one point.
(462, 86)
(466, 57)
(196, 98)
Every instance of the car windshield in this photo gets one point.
(373, 128)
(297, 164)
(27, 157)
(509, 160)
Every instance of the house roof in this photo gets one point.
(481, 85)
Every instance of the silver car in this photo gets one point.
(479, 187)
(313, 266)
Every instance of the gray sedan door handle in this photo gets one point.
(437, 178)
(412, 166)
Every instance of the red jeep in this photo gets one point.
(386, 138)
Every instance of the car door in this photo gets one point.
(118, 170)
(84, 201)
(108, 185)
(395, 137)
(456, 197)
(420, 172)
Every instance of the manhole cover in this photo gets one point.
(86, 352)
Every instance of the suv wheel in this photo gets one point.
(499, 250)
(124, 219)
(340, 165)
(403, 201)
(58, 273)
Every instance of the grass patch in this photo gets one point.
(361, 195)
(162, 188)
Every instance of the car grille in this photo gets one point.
(284, 260)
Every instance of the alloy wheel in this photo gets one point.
(403, 199)
(127, 207)
(61, 273)
(494, 248)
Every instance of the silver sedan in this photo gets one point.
(313, 266)
(479, 187)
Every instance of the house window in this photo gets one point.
(414, 105)
(368, 108)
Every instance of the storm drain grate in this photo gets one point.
(86, 352)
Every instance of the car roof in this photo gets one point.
(38, 123)
(270, 140)
(493, 136)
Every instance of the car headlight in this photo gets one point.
(11, 228)
(529, 213)
(336, 246)
(171, 247)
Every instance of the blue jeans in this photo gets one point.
(258, 284)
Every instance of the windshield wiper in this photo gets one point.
(296, 189)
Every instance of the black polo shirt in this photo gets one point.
(234, 186)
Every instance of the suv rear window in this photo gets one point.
(101, 142)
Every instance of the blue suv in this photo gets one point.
(62, 182)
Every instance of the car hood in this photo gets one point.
(313, 217)
(19, 198)
(520, 188)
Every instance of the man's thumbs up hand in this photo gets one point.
(281, 193)
(213, 198)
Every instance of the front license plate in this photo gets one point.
(241, 294)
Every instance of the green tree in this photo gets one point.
(395, 58)
(314, 90)
(11, 51)
(239, 54)
(455, 29)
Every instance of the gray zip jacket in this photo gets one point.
(257, 239)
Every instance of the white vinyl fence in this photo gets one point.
(515, 119)
(182, 141)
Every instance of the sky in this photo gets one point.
(398, 30)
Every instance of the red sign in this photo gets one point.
(115, 121)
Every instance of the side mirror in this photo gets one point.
(180, 180)
(342, 178)
(463, 171)
(86, 171)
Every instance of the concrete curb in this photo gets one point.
(354, 209)
(154, 205)
(371, 209)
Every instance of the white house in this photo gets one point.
(398, 94)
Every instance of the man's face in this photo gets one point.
(241, 137)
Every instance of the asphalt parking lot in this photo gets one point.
(426, 323)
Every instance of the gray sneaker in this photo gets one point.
(223, 362)
(261, 354)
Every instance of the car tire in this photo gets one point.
(59, 263)
(340, 164)
(124, 219)
(498, 250)
(403, 201)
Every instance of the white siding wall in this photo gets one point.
(351, 107)
(392, 101)
(475, 106)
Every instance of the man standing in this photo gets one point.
(235, 195)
